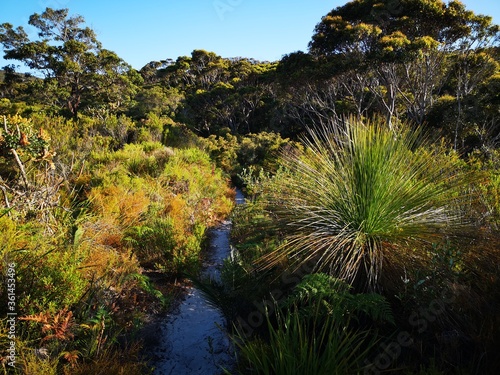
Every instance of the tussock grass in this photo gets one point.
(361, 192)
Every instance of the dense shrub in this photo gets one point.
(82, 219)
(443, 291)
(234, 154)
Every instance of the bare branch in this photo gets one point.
(21, 167)
(5, 197)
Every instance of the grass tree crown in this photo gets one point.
(359, 193)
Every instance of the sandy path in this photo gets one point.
(192, 340)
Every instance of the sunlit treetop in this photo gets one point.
(393, 29)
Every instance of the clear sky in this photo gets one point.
(147, 30)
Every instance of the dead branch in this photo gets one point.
(5, 197)
(21, 167)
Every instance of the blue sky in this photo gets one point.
(147, 30)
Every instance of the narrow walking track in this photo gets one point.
(192, 340)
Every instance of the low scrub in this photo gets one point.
(313, 332)
(83, 213)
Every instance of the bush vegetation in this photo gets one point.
(84, 217)
(369, 241)
(343, 199)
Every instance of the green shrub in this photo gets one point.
(113, 207)
(323, 294)
(301, 346)
(360, 194)
(251, 152)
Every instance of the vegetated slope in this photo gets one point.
(81, 227)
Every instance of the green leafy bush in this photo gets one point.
(114, 206)
(251, 152)
(322, 294)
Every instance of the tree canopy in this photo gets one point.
(402, 59)
(77, 70)
(374, 29)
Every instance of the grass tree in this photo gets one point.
(359, 194)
